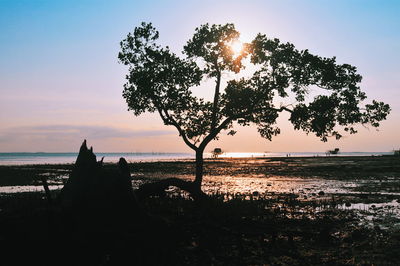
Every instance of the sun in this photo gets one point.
(236, 47)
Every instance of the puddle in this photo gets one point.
(55, 175)
(19, 189)
(276, 184)
(375, 206)
(379, 215)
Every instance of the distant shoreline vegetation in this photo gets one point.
(17, 158)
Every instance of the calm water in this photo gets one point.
(58, 158)
(54, 158)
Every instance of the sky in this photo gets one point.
(60, 80)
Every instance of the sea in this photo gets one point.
(28, 158)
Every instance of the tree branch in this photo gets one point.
(282, 108)
(215, 132)
(168, 120)
(216, 100)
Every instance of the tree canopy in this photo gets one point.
(161, 81)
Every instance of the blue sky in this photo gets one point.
(59, 71)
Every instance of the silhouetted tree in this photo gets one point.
(161, 81)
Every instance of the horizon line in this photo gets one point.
(182, 152)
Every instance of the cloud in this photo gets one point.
(64, 132)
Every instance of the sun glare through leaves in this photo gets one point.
(236, 47)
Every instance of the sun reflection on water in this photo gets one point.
(242, 154)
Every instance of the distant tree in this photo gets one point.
(161, 81)
(216, 152)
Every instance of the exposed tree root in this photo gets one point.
(158, 188)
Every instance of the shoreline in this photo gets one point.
(60, 159)
(333, 167)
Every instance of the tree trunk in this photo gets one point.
(199, 168)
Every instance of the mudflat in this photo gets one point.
(371, 174)
(308, 210)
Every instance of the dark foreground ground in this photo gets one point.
(256, 220)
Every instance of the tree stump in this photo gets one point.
(96, 194)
